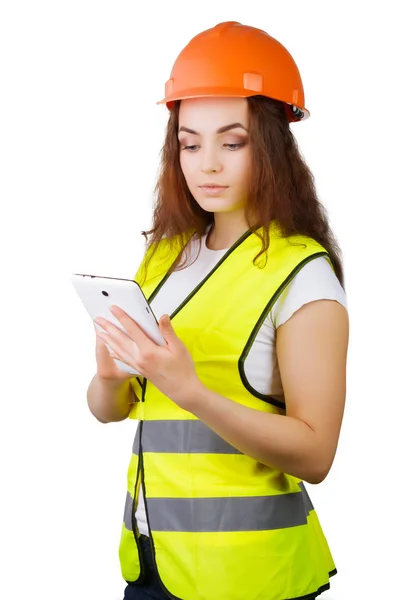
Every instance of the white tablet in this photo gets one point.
(99, 293)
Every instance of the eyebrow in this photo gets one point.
(223, 129)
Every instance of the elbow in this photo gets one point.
(315, 478)
(319, 464)
(100, 421)
(96, 416)
(318, 475)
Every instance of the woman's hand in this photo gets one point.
(106, 367)
(169, 368)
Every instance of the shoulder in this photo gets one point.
(316, 280)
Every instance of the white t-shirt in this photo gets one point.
(315, 281)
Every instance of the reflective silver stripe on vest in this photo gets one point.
(307, 500)
(258, 513)
(279, 513)
(135, 447)
(183, 437)
(128, 511)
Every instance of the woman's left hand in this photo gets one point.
(170, 368)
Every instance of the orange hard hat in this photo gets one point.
(232, 59)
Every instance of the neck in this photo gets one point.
(224, 233)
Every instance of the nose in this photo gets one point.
(210, 162)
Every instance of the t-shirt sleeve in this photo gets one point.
(315, 281)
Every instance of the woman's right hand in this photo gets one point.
(106, 366)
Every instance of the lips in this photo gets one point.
(213, 190)
(213, 186)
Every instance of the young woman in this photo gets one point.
(245, 402)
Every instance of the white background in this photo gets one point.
(79, 141)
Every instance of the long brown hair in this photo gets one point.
(282, 188)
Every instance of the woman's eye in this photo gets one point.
(234, 146)
(194, 147)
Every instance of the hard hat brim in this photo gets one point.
(217, 93)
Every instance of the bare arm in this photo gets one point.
(110, 400)
(312, 352)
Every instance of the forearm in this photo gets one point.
(278, 441)
(109, 400)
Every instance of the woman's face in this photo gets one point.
(214, 150)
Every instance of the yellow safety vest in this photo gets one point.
(222, 525)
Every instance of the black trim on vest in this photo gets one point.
(320, 590)
(332, 573)
(203, 281)
(257, 327)
(142, 574)
(144, 386)
(153, 552)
